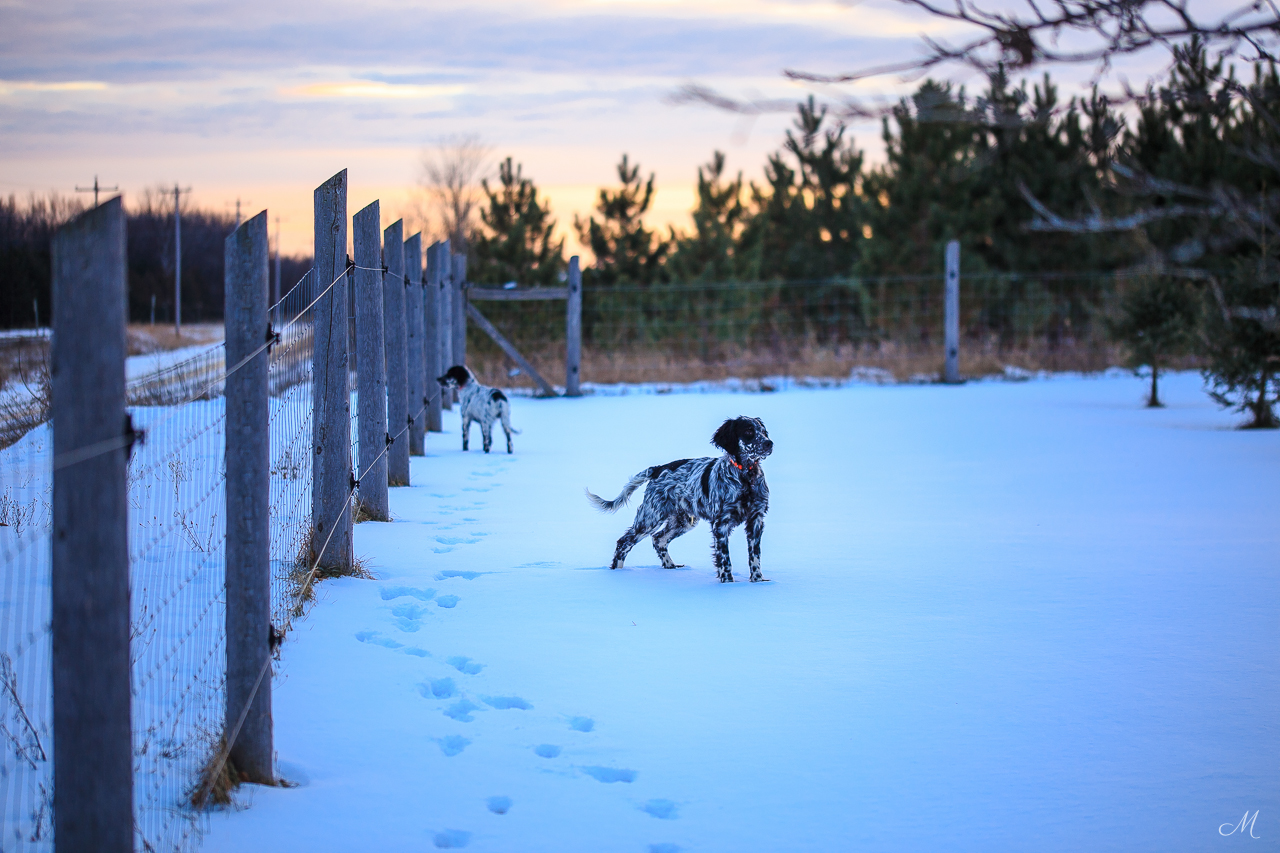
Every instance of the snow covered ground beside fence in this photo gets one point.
(1003, 616)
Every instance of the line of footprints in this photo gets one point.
(412, 605)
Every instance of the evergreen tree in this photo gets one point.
(918, 200)
(626, 252)
(807, 224)
(1159, 319)
(1242, 335)
(710, 252)
(516, 243)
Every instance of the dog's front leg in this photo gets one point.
(755, 527)
(720, 549)
(466, 432)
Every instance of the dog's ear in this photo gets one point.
(726, 437)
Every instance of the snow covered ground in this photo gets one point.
(1003, 616)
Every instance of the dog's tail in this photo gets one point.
(621, 500)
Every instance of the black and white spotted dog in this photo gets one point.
(726, 491)
(480, 404)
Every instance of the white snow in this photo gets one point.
(1029, 616)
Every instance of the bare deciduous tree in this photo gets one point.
(451, 175)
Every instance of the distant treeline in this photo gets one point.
(957, 167)
(26, 230)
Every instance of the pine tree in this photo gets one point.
(626, 252)
(1159, 319)
(710, 252)
(807, 224)
(1242, 333)
(516, 243)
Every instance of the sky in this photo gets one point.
(262, 102)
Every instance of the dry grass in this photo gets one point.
(143, 338)
(902, 362)
(217, 780)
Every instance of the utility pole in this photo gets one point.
(276, 293)
(95, 188)
(177, 259)
(237, 211)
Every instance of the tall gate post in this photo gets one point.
(431, 366)
(459, 297)
(395, 328)
(248, 460)
(413, 318)
(371, 377)
(331, 487)
(444, 261)
(951, 373)
(573, 331)
(92, 737)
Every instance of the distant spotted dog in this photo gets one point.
(480, 403)
(726, 491)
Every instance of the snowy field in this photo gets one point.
(1004, 616)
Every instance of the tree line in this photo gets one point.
(27, 228)
(985, 170)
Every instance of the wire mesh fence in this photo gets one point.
(26, 699)
(176, 480)
(177, 570)
(712, 330)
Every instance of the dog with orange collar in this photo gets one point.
(727, 491)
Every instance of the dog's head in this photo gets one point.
(455, 377)
(745, 439)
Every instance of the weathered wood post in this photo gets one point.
(951, 373)
(445, 259)
(248, 460)
(92, 738)
(459, 297)
(573, 331)
(331, 398)
(413, 318)
(431, 339)
(371, 377)
(396, 328)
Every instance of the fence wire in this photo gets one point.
(177, 571)
(696, 330)
(26, 698)
(177, 546)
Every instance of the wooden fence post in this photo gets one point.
(459, 297)
(371, 378)
(951, 373)
(396, 328)
(445, 259)
(331, 487)
(92, 737)
(573, 331)
(431, 339)
(248, 462)
(413, 319)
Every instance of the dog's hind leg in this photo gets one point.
(634, 534)
(678, 526)
(486, 433)
(505, 414)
